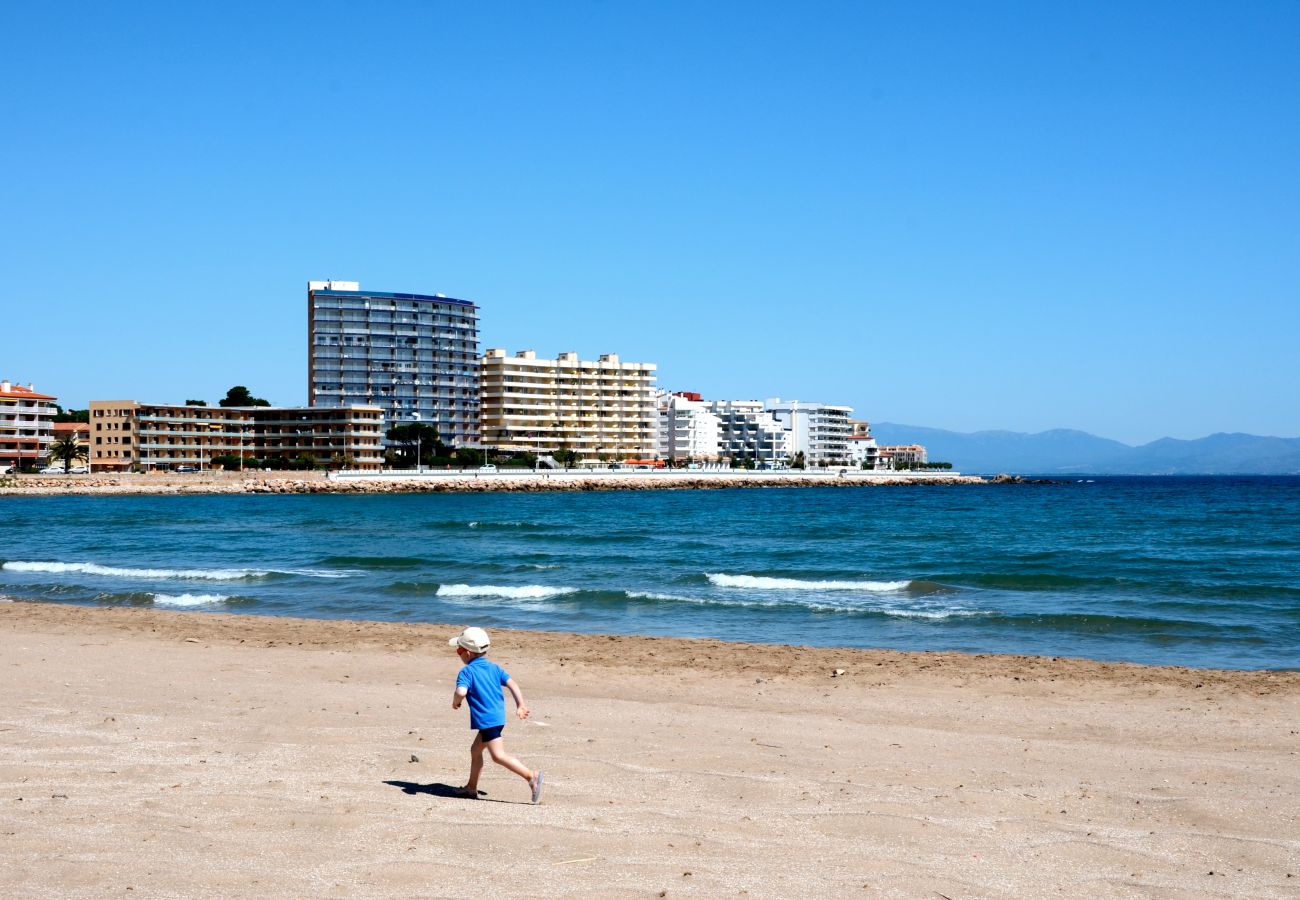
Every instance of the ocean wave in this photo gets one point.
(762, 583)
(189, 599)
(62, 568)
(790, 603)
(525, 592)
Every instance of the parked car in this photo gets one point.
(79, 470)
(186, 469)
(52, 470)
(488, 467)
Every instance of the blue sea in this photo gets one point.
(1184, 571)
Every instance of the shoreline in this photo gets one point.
(797, 660)
(288, 758)
(436, 482)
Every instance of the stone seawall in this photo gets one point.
(316, 484)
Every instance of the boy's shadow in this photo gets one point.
(438, 789)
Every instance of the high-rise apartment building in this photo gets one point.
(413, 355)
(26, 425)
(602, 408)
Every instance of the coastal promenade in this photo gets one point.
(463, 480)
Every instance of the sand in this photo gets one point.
(158, 754)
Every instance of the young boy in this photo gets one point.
(480, 681)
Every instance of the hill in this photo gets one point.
(1069, 451)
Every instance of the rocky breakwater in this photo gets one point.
(534, 483)
(469, 483)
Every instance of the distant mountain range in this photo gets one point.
(1064, 451)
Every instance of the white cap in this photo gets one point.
(475, 640)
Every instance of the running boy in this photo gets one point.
(480, 681)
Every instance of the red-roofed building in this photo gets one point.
(26, 420)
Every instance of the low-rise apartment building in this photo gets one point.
(901, 456)
(747, 431)
(601, 409)
(861, 445)
(687, 428)
(818, 430)
(26, 425)
(126, 434)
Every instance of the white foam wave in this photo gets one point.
(526, 592)
(323, 573)
(761, 583)
(59, 568)
(188, 599)
(62, 568)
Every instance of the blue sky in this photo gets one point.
(965, 216)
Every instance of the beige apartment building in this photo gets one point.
(26, 420)
(126, 434)
(603, 409)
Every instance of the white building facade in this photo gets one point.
(687, 428)
(26, 425)
(747, 431)
(818, 430)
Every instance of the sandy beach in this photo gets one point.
(157, 754)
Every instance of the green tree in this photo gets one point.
(567, 458)
(200, 402)
(71, 415)
(416, 437)
(66, 449)
(239, 396)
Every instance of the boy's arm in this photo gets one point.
(515, 691)
(458, 696)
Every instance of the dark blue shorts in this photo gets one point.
(490, 734)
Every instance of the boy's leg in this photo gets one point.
(475, 765)
(497, 748)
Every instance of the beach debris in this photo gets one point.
(565, 862)
(414, 758)
(837, 673)
(191, 640)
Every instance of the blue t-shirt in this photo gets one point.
(484, 680)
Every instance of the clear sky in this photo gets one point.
(960, 215)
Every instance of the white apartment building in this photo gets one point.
(862, 448)
(600, 409)
(863, 451)
(26, 425)
(748, 431)
(819, 430)
(687, 429)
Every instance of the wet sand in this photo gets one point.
(151, 754)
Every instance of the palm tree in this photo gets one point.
(66, 449)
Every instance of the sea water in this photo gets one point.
(1185, 571)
